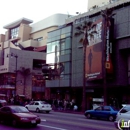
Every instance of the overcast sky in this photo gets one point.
(36, 10)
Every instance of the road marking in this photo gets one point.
(52, 127)
(43, 119)
(93, 125)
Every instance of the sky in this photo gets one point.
(36, 10)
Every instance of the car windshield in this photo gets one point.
(125, 109)
(19, 109)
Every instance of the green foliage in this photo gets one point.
(107, 15)
(85, 30)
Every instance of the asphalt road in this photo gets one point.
(66, 121)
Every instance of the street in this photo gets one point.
(66, 121)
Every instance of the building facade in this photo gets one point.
(118, 85)
(116, 53)
(22, 53)
(59, 57)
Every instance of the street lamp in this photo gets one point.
(12, 55)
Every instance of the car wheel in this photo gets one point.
(111, 118)
(14, 123)
(38, 110)
(47, 111)
(88, 116)
(34, 125)
(1, 121)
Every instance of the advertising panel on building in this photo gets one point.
(109, 44)
(94, 52)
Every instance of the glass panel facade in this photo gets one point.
(68, 43)
(59, 43)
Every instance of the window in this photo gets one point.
(36, 103)
(68, 43)
(14, 32)
(37, 64)
(39, 39)
(106, 108)
(125, 109)
(4, 109)
(99, 109)
(66, 30)
(31, 103)
(62, 47)
(53, 46)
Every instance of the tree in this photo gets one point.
(85, 30)
(107, 16)
(24, 72)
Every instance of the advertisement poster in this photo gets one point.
(94, 52)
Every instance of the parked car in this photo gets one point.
(3, 103)
(123, 118)
(18, 115)
(39, 106)
(107, 112)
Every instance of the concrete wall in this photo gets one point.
(24, 32)
(25, 59)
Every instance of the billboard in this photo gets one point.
(94, 51)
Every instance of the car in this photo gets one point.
(39, 106)
(18, 116)
(107, 112)
(3, 103)
(123, 117)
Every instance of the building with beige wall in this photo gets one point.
(24, 46)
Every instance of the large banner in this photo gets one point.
(109, 43)
(94, 52)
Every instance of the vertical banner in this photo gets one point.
(94, 52)
(109, 42)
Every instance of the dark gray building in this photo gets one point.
(117, 55)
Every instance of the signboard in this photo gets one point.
(94, 52)
(109, 43)
(3, 69)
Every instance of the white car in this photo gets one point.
(39, 106)
(122, 121)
